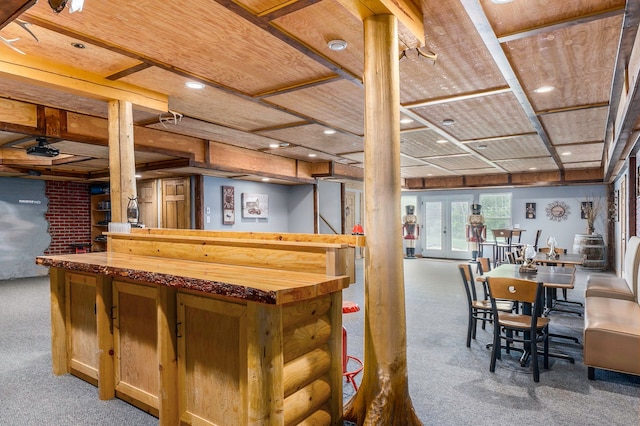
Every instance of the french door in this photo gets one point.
(445, 232)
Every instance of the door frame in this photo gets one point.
(447, 251)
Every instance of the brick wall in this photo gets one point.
(68, 214)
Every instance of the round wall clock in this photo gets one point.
(558, 211)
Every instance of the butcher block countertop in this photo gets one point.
(269, 286)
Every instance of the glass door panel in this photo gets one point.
(445, 228)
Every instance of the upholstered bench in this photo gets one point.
(611, 335)
(612, 318)
(625, 287)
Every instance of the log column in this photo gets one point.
(122, 167)
(383, 397)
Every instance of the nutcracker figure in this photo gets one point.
(476, 231)
(411, 231)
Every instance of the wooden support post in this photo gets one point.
(122, 168)
(168, 396)
(58, 322)
(264, 364)
(104, 325)
(383, 397)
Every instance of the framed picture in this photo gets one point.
(228, 205)
(530, 210)
(255, 205)
(585, 206)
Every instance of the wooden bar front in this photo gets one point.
(198, 342)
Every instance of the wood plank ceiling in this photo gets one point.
(273, 89)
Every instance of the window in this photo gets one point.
(496, 209)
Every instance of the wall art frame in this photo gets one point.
(228, 205)
(530, 210)
(255, 205)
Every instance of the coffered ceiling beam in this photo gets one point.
(624, 105)
(462, 97)
(483, 26)
(49, 74)
(11, 9)
(405, 11)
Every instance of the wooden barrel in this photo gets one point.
(594, 249)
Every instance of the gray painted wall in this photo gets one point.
(563, 231)
(23, 228)
(330, 207)
(290, 207)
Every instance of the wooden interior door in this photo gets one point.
(148, 203)
(176, 205)
(349, 211)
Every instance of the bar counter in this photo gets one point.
(193, 341)
(239, 282)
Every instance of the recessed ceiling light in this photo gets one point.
(78, 45)
(266, 179)
(274, 145)
(283, 144)
(194, 85)
(312, 155)
(483, 146)
(448, 122)
(566, 153)
(441, 141)
(406, 120)
(501, 1)
(137, 176)
(337, 45)
(544, 89)
(329, 132)
(429, 174)
(533, 168)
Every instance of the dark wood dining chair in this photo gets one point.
(535, 242)
(528, 327)
(479, 309)
(503, 239)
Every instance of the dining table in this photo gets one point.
(559, 259)
(552, 278)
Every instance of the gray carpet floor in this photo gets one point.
(449, 383)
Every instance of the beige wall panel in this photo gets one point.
(477, 118)
(313, 136)
(210, 104)
(584, 125)
(58, 47)
(215, 132)
(423, 144)
(526, 165)
(577, 61)
(452, 74)
(249, 67)
(317, 24)
(340, 104)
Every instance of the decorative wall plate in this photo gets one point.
(558, 211)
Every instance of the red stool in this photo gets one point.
(347, 308)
